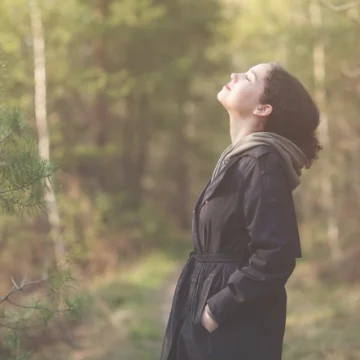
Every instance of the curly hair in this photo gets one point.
(294, 115)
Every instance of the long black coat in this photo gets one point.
(246, 242)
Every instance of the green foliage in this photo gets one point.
(23, 178)
(23, 173)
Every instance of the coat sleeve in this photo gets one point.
(274, 238)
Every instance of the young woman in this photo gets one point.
(230, 300)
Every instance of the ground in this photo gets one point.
(131, 312)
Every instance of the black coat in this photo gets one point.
(246, 242)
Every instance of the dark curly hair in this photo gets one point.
(295, 115)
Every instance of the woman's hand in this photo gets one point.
(208, 321)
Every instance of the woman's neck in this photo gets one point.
(242, 126)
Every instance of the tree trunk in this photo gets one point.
(101, 108)
(142, 124)
(304, 199)
(44, 151)
(180, 162)
(182, 179)
(327, 188)
(42, 127)
(135, 140)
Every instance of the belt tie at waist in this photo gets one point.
(216, 258)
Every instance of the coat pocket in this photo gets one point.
(204, 296)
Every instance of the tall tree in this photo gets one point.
(42, 126)
(327, 188)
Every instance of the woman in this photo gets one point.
(230, 300)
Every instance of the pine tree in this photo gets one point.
(24, 176)
(22, 171)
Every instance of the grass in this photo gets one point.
(323, 318)
(127, 320)
(130, 324)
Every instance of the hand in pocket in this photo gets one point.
(208, 321)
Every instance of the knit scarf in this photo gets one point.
(294, 159)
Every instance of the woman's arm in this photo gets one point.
(272, 227)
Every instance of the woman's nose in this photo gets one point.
(234, 77)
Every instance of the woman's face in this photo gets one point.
(242, 94)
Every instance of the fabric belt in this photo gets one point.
(216, 258)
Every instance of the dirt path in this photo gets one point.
(110, 342)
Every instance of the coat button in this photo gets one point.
(206, 202)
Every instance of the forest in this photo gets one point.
(120, 96)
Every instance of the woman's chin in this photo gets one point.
(222, 99)
(221, 95)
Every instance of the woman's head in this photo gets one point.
(268, 92)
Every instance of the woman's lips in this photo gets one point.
(227, 86)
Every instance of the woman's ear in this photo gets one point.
(263, 110)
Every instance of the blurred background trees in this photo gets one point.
(135, 128)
